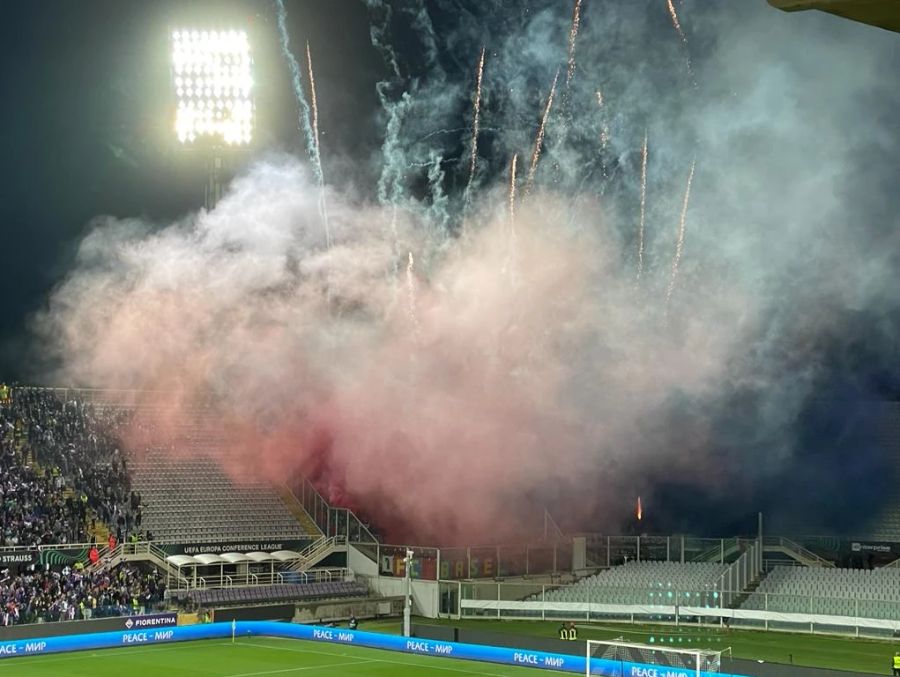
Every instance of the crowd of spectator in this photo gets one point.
(36, 596)
(77, 467)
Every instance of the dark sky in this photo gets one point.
(86, 126)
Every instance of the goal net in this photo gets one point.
(621, 659)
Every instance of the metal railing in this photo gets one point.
(807, 556)
(330, 520)
(662, 602)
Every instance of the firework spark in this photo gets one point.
(676, 22)
(640, 269)
(573, 36)
(317, 155)
(679, 246)
(539, 139)
(476, 123)
(306, 114)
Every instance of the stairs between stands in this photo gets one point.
(297, 510)
(739, 600)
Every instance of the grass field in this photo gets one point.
(816, 651)
(260, 656)
(254, 657)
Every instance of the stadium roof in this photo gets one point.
(233, 558)
(882, 13)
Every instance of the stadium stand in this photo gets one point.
(887, 525)
(272, 594)
(190, 499)
(64, 478)
(871, 593)
(60, 467)
(644, 583)
(70, 594)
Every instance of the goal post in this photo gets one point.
(623, 659)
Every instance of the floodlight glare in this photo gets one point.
(212, 71)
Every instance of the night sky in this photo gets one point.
(90, 131)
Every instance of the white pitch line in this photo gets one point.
(382, 660)
(307, 667)
(84, 655)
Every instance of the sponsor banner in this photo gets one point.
(242, 546)
(20, 557)
(877, 548)
(149, 621)
(413, 645)
(62, 556)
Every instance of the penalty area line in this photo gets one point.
(305, 667)
(382, 660)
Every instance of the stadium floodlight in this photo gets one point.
(212, 75)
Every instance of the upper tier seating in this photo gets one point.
(871, 593)
(886, 526)
(647, 583)
(190, 499)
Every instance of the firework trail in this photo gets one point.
(323, 207)
(604, 137)
(604, 130)
(679, 247)
(539, 139)
(677, 24)
(306, 126)
(573, 36)
(640, 269)
(411, 294)
(476, 122)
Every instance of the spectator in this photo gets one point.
(70, 594)
(76, 447)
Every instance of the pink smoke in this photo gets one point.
(536, 364)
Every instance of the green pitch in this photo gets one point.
(815, 651)
(253, 657)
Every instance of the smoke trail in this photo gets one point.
(317, 160)
(296, 80)
(476, 119)
(573, 36)
(439, 214)
(539, 139)
(306, 125)
(390, 181)
(640, 269)
(679, 246)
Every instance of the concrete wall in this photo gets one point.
(425, 594)
(359, 563)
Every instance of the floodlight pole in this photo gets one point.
(407, 606)
(214, 182)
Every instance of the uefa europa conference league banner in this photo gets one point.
(427, 647)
